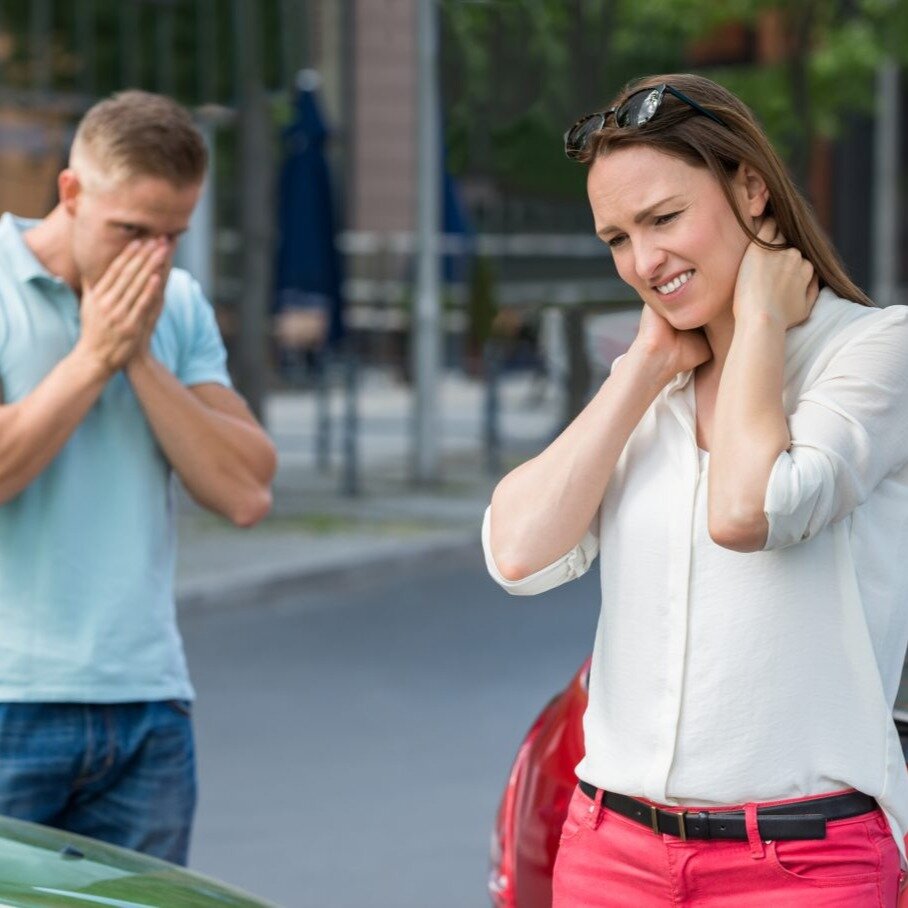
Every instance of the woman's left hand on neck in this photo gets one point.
(780, 285)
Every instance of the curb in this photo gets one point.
(256, 587)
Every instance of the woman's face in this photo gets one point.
(673, 235)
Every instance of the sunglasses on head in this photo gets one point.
(639, 108)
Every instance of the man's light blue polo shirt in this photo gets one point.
(87, 550)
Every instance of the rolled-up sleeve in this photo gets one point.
(569, 566)
(849, 430)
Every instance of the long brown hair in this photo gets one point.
(679, 131)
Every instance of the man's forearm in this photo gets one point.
(34, 429)
(225, 462)
(749, 433)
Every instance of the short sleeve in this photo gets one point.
(203, 357)
(571, 565)
(849, 430)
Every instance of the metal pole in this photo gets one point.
(196, 248)
(256, 172)
(293, 56)
(164, 49)
(322, 413)
(206, 63)
(350, 484)
(85, 41)
(40, 26)
(885, 186)
(3, 29)
(426, 323)
(130, 47)
(492, 408)
(578, 374)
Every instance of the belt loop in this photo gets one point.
(682, 829)
(654, 819)
(757, 851)
(597, 810)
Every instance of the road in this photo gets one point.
(353, 740)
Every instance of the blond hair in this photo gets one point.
(135, 134)
(679, 131)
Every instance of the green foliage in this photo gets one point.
(518, 72)
(889, 21)
(765, 91)
(842, 71)
(187, 48)
(526, 150)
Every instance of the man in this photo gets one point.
(113, 377)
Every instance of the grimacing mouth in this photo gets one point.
(674, 283)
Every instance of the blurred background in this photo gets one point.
(403, 267)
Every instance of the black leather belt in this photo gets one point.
(794, 820)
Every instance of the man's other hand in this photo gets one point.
(120, 311)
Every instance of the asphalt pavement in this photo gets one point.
(318, 533)
(358, 705)
(354, 738)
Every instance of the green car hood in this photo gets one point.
(42, 867)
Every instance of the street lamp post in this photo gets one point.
(256, 173)
(426, 315)
(886, 176)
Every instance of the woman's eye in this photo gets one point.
(616, 241)
(666, 218)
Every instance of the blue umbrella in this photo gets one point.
(308, 268)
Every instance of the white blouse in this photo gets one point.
(720, 677)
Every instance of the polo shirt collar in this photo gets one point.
(22, 261)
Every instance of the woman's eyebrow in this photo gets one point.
(642, 215)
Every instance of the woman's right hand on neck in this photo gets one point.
(667, 350)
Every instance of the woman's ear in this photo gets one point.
(753, 193)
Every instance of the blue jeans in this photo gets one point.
(120, 772)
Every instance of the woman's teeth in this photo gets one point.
(674, 284)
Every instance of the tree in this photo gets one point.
(518, 71)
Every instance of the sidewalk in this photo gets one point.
(317, 535)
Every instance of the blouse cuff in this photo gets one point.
(794, 505)
(573, 564)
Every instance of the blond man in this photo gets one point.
(113, 379)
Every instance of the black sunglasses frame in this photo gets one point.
(577, 137)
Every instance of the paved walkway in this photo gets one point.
(317, 534)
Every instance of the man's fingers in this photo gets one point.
(146, 302)
(115, 268)
(115, 291)
(133, 280)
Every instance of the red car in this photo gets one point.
(540, 785)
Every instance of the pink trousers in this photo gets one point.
(607, 861)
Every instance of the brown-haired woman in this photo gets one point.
(743, 474)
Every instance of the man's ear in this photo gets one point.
(69, 188)
(752, 191)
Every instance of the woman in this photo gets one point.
(743, 474)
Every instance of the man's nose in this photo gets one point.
(168, 246)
